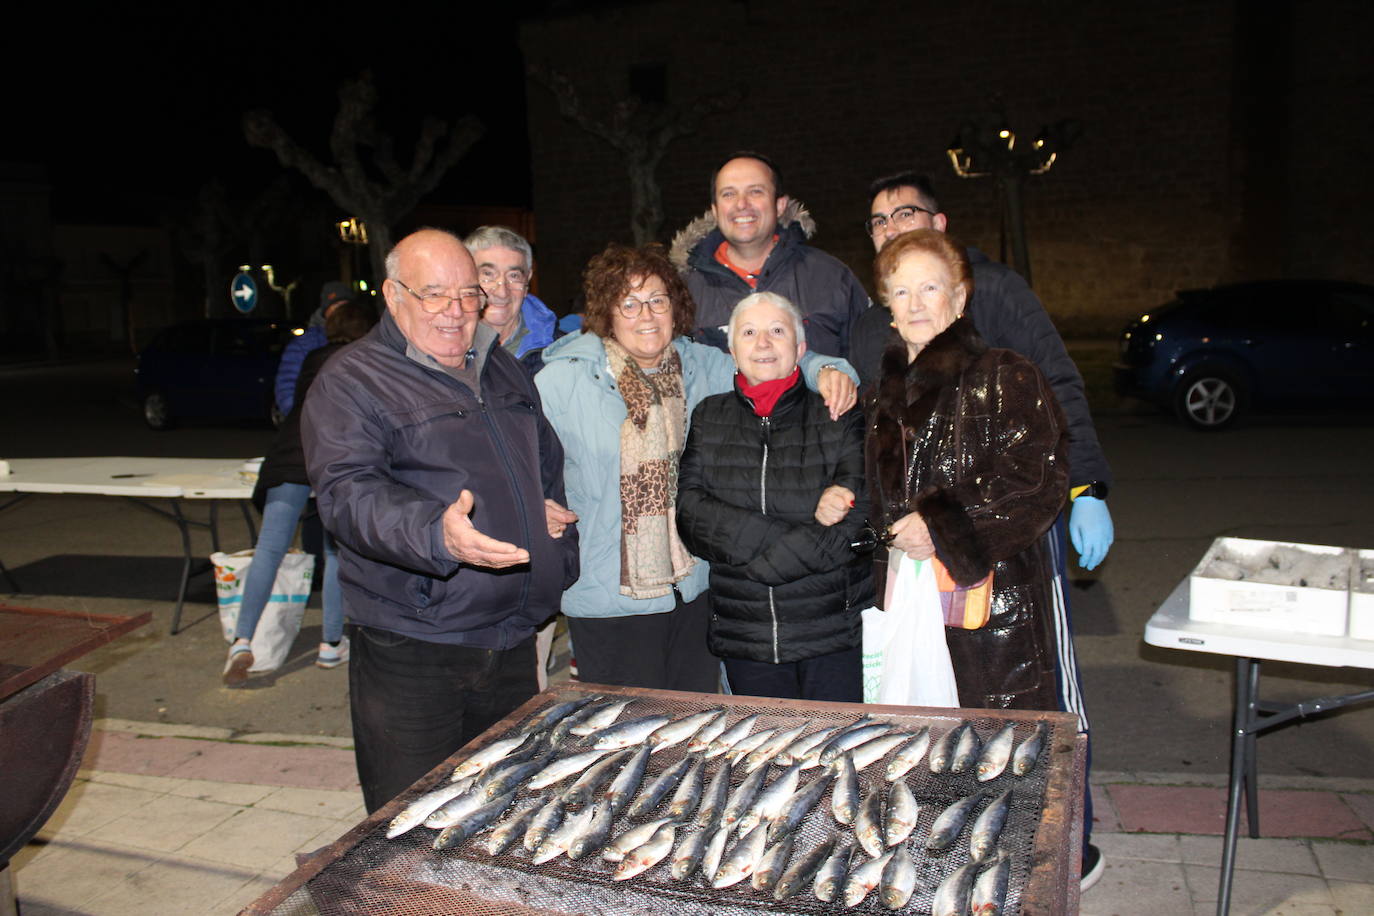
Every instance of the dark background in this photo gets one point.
(130, 111)
(1222, 141)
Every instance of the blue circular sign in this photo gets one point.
(243, 292)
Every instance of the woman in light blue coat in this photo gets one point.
(619, 393)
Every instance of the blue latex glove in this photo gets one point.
(1090, 530)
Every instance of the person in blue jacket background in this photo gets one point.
(505, 263)
(313, 337)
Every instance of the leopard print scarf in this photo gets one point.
(652, 556)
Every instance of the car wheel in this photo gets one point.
(1210, 399)
(157, 413)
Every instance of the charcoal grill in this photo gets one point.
(365, 872)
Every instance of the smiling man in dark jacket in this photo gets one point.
(754, 239)
(438, 475)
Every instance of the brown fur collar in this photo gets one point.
(906, 397)
(938, 365)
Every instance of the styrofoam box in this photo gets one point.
(1361, 597)
(1319, 611)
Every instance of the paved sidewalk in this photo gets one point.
(181, 819)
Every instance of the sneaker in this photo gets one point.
(237, 665)
(332, 656)
(1094, 864)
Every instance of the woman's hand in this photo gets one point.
(558, 518)
(837, 390)
(834, 504)
(911, 536)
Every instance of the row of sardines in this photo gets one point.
(575, 781)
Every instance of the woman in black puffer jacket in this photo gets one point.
(772, 494)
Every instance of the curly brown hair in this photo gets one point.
(606, 283)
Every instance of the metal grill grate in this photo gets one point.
(407, 876)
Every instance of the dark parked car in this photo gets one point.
(1212, 354)
(212, 368)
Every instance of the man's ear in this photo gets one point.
(783, 201)
(939, 221)
(391, 293)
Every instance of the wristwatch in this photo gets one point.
(1096, 489)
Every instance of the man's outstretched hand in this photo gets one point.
(468, 545)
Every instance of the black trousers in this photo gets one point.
(662, 651)
(837, 677)
(414, 703)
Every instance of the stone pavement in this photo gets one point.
(184, 819)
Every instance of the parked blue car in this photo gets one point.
(212, 368)
(1213, 354)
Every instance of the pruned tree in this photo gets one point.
(205, 231)
(375, 187)
(217, 231)
(641, 131)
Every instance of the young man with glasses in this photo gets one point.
(439, 476)
(505, 263)
(1009, 315)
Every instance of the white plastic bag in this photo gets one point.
(280, 622)
(905, 657)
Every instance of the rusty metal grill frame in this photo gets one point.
(364, 872)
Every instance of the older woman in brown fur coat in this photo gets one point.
(966, 463)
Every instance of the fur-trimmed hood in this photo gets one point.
(794, 217)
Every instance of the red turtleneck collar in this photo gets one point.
(765, 395)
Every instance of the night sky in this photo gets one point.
(127, 112)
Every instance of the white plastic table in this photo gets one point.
(1170, 627)
(140, 480)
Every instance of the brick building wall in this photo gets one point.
(1158, 194)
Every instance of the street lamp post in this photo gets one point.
(986, 146)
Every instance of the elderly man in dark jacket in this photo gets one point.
(771, 492)
(443, 484)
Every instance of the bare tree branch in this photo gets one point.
(379, 203)
(642, 133)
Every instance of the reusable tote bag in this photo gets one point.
(905, 658)
(281, 619)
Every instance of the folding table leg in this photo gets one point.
(214, 526)
(1247, 677)
(9, 577)
(248, 520)
(185, 562)
(1251, 754)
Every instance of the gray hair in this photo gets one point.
(484, 237)
(782, 302)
